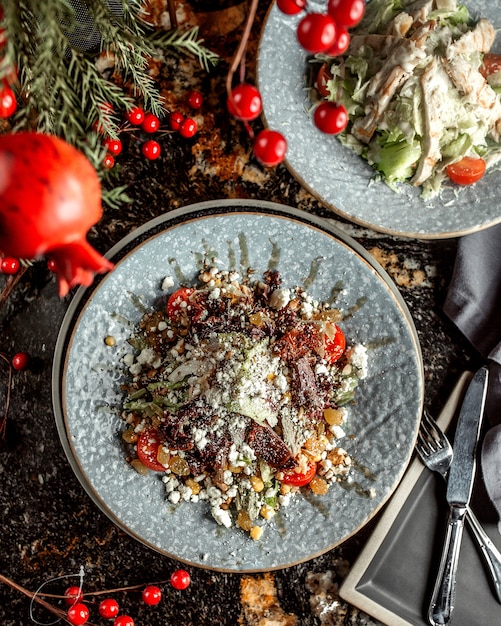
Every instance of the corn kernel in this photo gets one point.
(163, 455)
(267, 511)
(129, 436)
(110, 341)
(334, 417)
(194, 486)
(256, 533)
(244, 521)
(256, 483)
(139, 467)
(319, 486)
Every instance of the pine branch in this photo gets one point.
(189, 42)
(61, 89)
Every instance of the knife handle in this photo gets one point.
(444, 593)
(491, 554)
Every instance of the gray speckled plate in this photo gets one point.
(340, 178)
(308, 251)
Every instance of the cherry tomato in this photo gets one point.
(123, 620)
(180, 579)
(316, 32)
(73, 594)
(175, 119)
(152, 595)
(78, 614)
(151, 123)
(8, 104)
(335, 347)
(490, 64)
(151, 149)
(245, 102)
(147, 449)
(466, 171)
(323, 77)
(179, 303)
(299, 479)
(188, 128)
(20, 362)
(342, 42)
(270, 147)
(10, 265)
(291, 7)
(331, 118)
(108, 608)
(135, 116)
(195, 99)
(114, 146)
(346, 12)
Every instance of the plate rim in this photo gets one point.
(123, 249)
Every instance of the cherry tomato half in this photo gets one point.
(299, 479)
(335, 347)
(147, 449)
(179, 303)
(466, 171)
(323, 77)
(490, 64)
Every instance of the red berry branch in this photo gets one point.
(80, 604)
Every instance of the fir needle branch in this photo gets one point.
(189, 42)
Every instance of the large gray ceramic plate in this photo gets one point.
(307, 251)
(340, 178)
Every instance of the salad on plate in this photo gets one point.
(422, 91)
(237, 393)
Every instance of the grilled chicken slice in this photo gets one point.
(434, 84)
(400, 64)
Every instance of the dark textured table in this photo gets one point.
(49, 526)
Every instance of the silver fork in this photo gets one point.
(436, 453)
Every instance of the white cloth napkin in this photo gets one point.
(474, 304)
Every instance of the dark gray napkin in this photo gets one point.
(474, 304)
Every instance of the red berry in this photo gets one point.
(346, 12)
(291, 7)
(151, 123)
(135, 116)
(151, 149)
(108, 161)
(180, 579)
(51, 265)
(73, 594)
(245, 102)
(114, 146)
(270, 147)
(108, 608)
(20, 362)
(175, 120)
(342, 42)
(188, 128)
(8, 104)
(331, 118)
(9, 265)
(195, 99)
(123, 620)
(78, 614)
(316, 32)
(152, 595)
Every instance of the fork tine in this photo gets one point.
(426, 445)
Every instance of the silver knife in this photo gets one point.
(459, 487)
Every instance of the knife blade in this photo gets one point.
(459, 488)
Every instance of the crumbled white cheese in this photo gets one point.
(280, 298)
(167, 283)
(221, 516)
